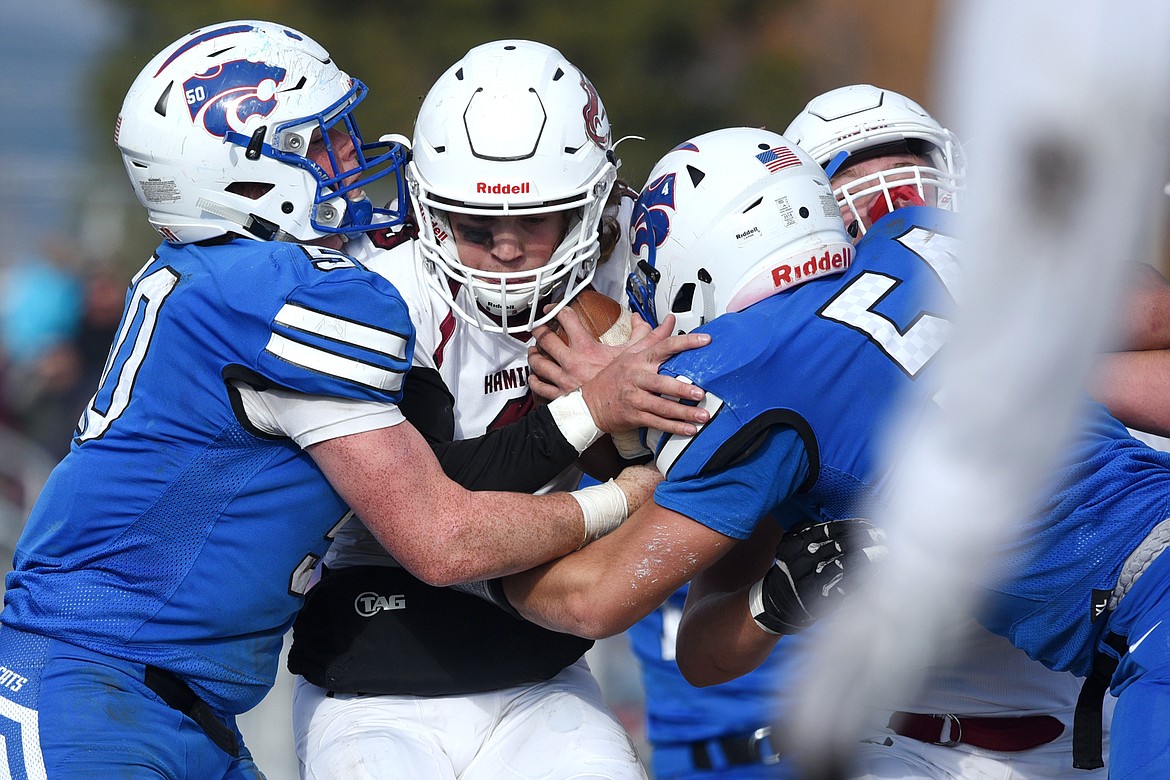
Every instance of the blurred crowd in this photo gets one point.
(59, 310)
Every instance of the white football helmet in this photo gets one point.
(728, 219)
(513, 128)
(865, 121)
(214, 134)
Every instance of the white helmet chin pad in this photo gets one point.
(512, 129)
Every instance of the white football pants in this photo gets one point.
(555, 730)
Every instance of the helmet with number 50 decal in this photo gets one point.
(247, 127)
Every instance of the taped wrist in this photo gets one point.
(775, 603)
(757, 610)
(629, 444)
(574, 421)
(604, 507)
(489, 590)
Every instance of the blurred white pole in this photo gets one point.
(1066, 107)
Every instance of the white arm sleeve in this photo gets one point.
(309, 419)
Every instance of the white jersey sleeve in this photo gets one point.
(310, 419)
(402, 267)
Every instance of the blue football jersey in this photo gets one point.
(676, 711)
(1110, 492)
(803, 387)
(172, 533)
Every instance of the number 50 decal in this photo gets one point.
(127, 354)
(913, 347)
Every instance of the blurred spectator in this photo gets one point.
(56, 326)
(24, 467)
(41, 306)
(105, 293)
(47, 396)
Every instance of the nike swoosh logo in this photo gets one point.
(1134, 646)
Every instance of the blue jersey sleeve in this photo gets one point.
(747, 459)
(337, 330)
(167, 494)
(733, 498)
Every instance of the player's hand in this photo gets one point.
(811, 573)
(559, 367)
(627, 392)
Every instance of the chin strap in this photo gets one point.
(358, 214)
(258, 227)
(708, 291)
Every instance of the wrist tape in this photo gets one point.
(574, 421)
(629, 444)
(757, 609)
(604, 507)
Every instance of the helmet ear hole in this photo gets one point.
(684, 299)
(253, 190)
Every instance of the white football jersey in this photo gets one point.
(989, 676)
(487, 373)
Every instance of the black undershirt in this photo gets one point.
(520, 457)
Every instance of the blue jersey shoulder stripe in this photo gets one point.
(669, 449)
(332, 364)
(339, 347)
(342, 330)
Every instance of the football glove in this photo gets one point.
(811, 572)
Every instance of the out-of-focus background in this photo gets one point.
(72, 233)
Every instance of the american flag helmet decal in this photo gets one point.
(778, 158)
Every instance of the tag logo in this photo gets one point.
(369, 604)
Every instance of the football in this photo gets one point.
(606, 319)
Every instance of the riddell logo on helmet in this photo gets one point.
(483, 188)
(440, 234)
(830, 262)
(859, 130)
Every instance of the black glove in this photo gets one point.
(808, 576)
